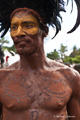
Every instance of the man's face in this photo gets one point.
(26, 33)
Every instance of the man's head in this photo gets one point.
(34, 16)
(49, 10)
(27, 31)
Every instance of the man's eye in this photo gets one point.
(13, 27)
(29, 26)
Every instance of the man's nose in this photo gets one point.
(20, 31)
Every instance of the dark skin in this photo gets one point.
(36, 88)
(77, 67)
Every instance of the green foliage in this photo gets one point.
(75, 52)
(3, 41)
(76, 59)
(72, 59)
(11, 49)
(68, 60)
(62, 50)
(53, 55)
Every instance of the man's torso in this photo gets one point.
(34, 96)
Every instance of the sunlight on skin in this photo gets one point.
(24, 24)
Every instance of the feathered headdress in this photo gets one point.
(49, 10)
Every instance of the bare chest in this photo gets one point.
(31, 92)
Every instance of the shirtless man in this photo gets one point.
(37, 88)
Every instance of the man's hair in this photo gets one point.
(49, 10)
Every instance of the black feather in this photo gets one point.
(78, 17)
(48, 9)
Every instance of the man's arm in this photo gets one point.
(73, 107)
(3, 73)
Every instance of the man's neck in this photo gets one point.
(34, 61)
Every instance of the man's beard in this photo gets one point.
(26, 51)
(30, 46)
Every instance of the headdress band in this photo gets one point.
(41, 20)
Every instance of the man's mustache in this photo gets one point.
(26, 38)
(22, 38)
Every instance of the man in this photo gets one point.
(37, 88)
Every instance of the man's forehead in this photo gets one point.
(27, 18)
(23, 17)
(22, 13)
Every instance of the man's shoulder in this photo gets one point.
(3, 74)
(14, 66)
(5, 71)
(69, 73)
(2, 71)
(56, 65)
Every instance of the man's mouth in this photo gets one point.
(23, 42)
